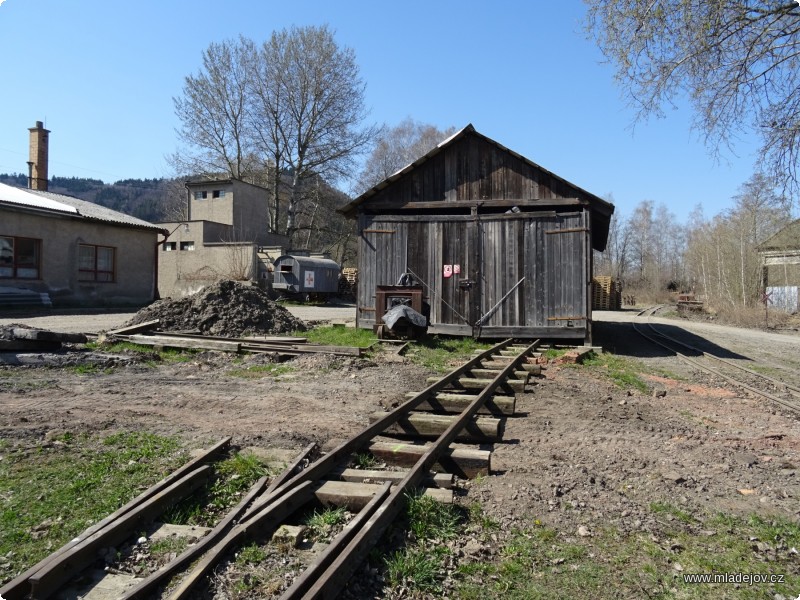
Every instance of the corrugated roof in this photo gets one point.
(59, 203)
(14, 195)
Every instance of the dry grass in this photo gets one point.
(754, 317)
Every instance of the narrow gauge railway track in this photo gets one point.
(670, 343)
(468, 404)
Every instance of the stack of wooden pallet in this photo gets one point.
(348, 281)
(605, 294)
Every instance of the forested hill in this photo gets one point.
(147, 199)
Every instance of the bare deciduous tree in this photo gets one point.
(721, 254)
(213, 111)
(397, 147)
(323, 107)
(737, 62)
(291, 109)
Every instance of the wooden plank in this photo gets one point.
(466, 463)
(455, 403)
(484, 373)
(303, 349)
(450, 204)
(473, 383)
(572, 230)
(18, 588)
(440, 480)
(191, 343)
(355, 496)
(293, 468)
(138, 328)
(55, 574)
(427, 425)
(247, 340)
(570, 333)
(531, 369)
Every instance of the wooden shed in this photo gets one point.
(500, 246)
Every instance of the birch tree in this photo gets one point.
(738, 63)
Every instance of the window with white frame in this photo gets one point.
(20, 257)
(95, 263)
(170, 246)
(187, 245)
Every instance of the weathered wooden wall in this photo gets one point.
(548, 250)
(501, 218)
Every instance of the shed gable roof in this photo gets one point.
(468, 166)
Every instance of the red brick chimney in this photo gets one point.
(37, 165)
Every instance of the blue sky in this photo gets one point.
(102, 75)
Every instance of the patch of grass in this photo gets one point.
(413, 568)
(177, 355)
(420, 565)
(480, 518)
(553, 353)
(672, 510)
(90, 369)
(232, 478)
(364, 460)
(625, 373)
(49, 495)
(259, 371)
(321, 524)
(119, 347)
(169, 355)
(539, 562)
(766, 370)
(167, 545)
(430, 519)
(442, 354)
(329, 335)
(251, 554)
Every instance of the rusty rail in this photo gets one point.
(795, 406)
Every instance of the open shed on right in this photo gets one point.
(780, 264)
(495, 245)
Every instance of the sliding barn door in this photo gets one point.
(556, 251)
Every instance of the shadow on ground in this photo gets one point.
(622, 339)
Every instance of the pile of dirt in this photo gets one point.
(226, 308)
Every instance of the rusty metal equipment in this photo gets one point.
(388, 298)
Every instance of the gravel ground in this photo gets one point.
(580, 454)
